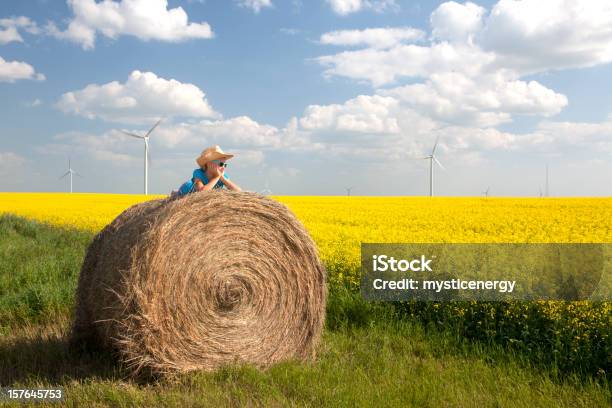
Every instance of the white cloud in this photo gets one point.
(255, 5)
(533, 36)
(592, 137)
(569, 139)
(10, 27)
(11, 71)
(345, 7)
(393, 125)
(466, 139)
(247, 158)
(372, 37)
(386, 59)
(366, 128)
(10, 34)
(523, 37)
(143, 98)
(382, 67)
(109, 146)
(363, 114)
(234, 132)
(487, 100)
(144, 19)
(456, 22)
(36, 102)
(470, 72)
(369, 127)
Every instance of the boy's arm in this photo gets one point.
(230, 185)
(200, 186)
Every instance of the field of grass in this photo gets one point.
(368, 356)
(372, 354)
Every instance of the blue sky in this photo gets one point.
(312, 96)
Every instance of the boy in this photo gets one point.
(211, 173)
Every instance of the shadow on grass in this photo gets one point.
(49, 360)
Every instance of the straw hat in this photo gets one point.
(212, 153)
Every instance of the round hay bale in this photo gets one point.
(198, 282)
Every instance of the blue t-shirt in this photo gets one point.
(189, 186)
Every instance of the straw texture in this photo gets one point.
(198, 282)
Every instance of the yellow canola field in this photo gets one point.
(454, 219)
(79, 210)
(371, 219)
(340, 224)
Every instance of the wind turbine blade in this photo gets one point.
(153, 128)
(65, 174)
(433, 151)
(74, 172)
(132, 134)
(439, 164)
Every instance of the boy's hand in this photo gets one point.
(220, 171)
(216, 170)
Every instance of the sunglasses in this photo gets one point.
(220, 163)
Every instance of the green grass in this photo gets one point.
(39, 267)
(368, 356)
(393, 364)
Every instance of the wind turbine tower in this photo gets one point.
(70, 172)
(147, 156)
(348, 191)
(432, 157)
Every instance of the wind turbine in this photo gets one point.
(266, 191)
(486, 192)
(147, 157)
(70, 172)
(348, 190)
(432, 157)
